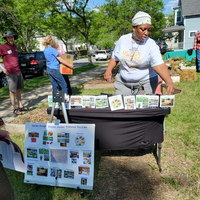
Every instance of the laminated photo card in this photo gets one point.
(129, 102)
(88, 101)
(153, 101)
(101, 101)
(142, 101)
(76, 101)
(167, 101)
(50, 101)
(116, 102)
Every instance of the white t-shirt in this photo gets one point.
(137, 58)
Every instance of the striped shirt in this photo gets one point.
(197, 41)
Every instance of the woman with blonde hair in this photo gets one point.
(53, 64)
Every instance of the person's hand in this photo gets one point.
(170, 89)
(5, 71)
(108, 76)
(4, 135)
(71, 66)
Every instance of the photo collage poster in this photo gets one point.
(60, 155)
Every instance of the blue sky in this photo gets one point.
(169, 4)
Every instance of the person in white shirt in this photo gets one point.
(140, 61)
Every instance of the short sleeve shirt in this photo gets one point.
(50, 54)
(10, 58)
(137, 58)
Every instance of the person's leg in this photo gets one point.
(6, 191)
(65, 76)
(120, 87)
(12, 99)
(198, 60)
(11, 79)
(20, 85)
(51, 74)
(57, 80)
(18, 97)
(13, 86)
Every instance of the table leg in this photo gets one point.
(158, 147)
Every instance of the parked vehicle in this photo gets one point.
(93, 55)
(73, 53)
(102, 55)
(32, 63)
(110, 51)
(162, 45)
(3, 80)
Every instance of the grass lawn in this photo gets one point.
(182, 133)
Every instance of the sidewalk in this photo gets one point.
(36, 96)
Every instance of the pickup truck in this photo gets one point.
(32, 63)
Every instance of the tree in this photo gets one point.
(21, 17)
(114, 19)
(169, 23)
(76, 13)
(62, 29)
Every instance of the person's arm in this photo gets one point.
(163, 72)
(108, 73)
(64, 62)
(4, 70)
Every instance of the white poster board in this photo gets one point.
(60, 155)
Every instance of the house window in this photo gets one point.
(178, 16)
(192, 34)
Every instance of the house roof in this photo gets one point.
(174, 29)
(190, 7)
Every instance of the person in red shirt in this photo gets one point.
(9, 53)
(197, 48)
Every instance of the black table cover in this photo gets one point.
(120, 129)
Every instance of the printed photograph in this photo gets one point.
(41, 171)
(87, 161)
(53, 172)
(59, 155)
(69, 174)
(74, 154)
(74, 161)
(84, 170)
(87, 154)
(167, 101)
(59, 173)
(31, 153)
(83, 181)
(80, 140)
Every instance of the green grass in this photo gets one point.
(183, 127)
(43, 80)
(182, 132)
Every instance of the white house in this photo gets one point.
(186, 24)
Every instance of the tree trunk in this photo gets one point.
(88, 51)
